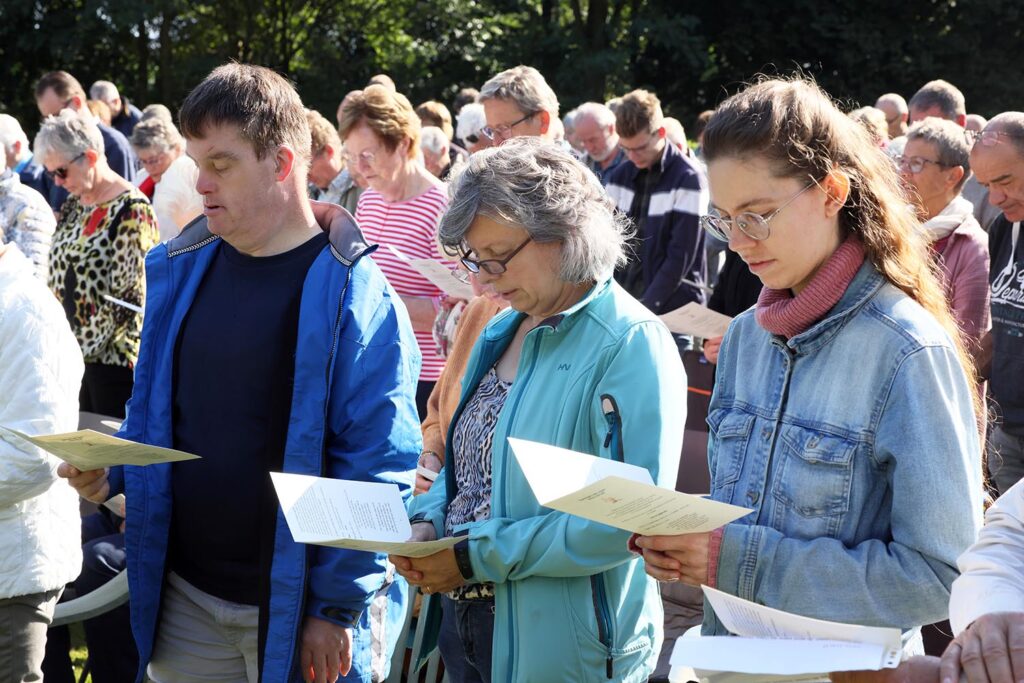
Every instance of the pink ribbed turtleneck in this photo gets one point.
(781, 313)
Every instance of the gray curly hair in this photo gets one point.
(534, 184)
(67, 135)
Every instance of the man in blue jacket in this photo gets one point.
(664, 192)
(269, 345)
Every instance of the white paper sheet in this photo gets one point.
(357, 515)
(696, 320)
(615, 493)
(772, 642)
(439, 275)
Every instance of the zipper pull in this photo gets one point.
(608, 667)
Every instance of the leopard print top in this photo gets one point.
(101, 250)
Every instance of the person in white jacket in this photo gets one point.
(40, 529)
(986, 606)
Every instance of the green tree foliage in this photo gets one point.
(692, 54)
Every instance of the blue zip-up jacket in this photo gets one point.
(571, 602)
(353, 416)
(855, 444)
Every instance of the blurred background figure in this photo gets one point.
(161, 149)
(873, 121)
(124, 115)
(471, 121)
(330, 179)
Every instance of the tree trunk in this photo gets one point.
(141, 93)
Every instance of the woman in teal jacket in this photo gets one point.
(577, 363)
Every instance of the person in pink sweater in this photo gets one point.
(934, 167)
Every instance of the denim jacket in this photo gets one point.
(855, 444)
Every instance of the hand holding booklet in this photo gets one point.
(773, 642)
(89, 450)
(357, 515)
(615, 493)
(696, 320)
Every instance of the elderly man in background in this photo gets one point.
(40, 548)
(896, 113)
(434, 145)
(18, 156)
(470, 122)
(328, 176)
(595, 130)
(975, 123)
(26, 220)
(519, 102)
(161, 150)
(433, 113)
(997, 159)
(123, 114)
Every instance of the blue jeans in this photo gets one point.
(466, 638)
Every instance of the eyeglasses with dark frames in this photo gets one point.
(491, 266)
(753, 225)
(505, 129)
(62, 172)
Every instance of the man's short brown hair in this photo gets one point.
(261, 103)
(638, 112)
(322, 132)
(64, 85)
(433, 113)
(388, 114)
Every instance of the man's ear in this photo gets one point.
(284, 162)
(545, 121)
(837, 188)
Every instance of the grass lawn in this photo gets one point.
(78, 651)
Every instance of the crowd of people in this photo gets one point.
(238, 282)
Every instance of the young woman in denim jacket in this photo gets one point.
(842, 414)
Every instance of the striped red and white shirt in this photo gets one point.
(410, 227)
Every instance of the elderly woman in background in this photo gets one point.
(874, 123)
(934, 166)
(105, 228)
(161, 149)
(470, 124)
(401, 208)
(531, 593)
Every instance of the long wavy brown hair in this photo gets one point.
(796, 126)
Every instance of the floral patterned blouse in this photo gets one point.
(101, 250)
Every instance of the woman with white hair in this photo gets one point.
(161, 149)
(105, 228)
(532, 594)
(469, 125)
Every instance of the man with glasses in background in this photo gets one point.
(664, 193)
(896, 113)
(516, 102)
(997, 159)
(60, 90)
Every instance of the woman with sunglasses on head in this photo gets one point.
(843, 413)
(532, 594)
(400, 208)
(105, 228)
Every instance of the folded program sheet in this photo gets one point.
(615, 493)
(768, 641)
(89, 450)
(357, 515)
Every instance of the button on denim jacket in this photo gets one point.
(855, 445)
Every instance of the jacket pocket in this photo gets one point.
(730, 433)
(813, 481)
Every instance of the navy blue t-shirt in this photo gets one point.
(233, 373)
